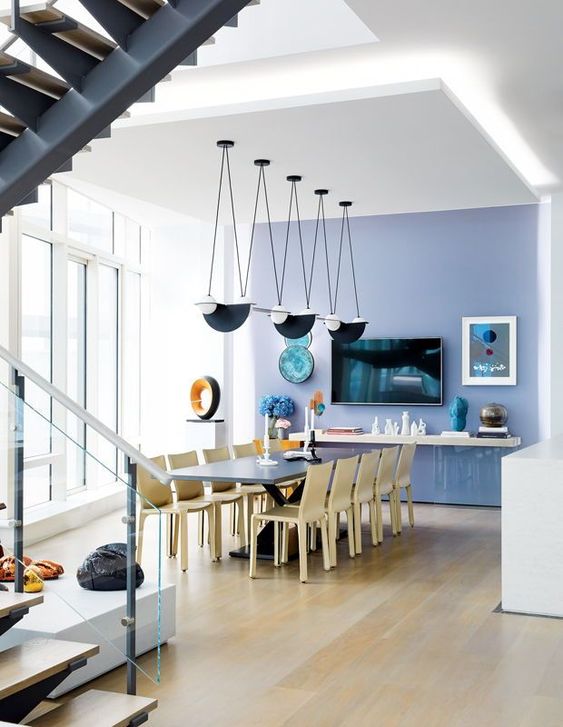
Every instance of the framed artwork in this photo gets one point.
(489, 351)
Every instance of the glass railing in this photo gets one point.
(81, 481)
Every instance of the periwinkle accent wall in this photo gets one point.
(417, 274)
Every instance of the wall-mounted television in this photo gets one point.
(399, 371)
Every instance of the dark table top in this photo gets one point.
(247, 471)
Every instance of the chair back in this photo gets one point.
(404, 465)
(245, 450)
(386, 471)
(151, 490)
(366, 476)
(312, 506)
(220, 454)
(186, 490)
(340, 497)
(275, 445)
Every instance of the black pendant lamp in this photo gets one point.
(287, 324)
(339, 330)
(222, 317)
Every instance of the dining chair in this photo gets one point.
(310, 510)
(153, 492)
(403, 481)
(254, 493)
(363, 494)
(340, 500)
(224, 493)
(384, 485)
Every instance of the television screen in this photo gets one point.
(387, 371)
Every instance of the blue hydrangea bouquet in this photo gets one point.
(275, 406)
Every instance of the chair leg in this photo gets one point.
(175, 533)
(253, 546)
(169, 526)
(200, 529)
(358, 527)
(399, 511)
(393, 512)
(379, 518)
(373, 522)
(324, 538)
(285, 543)
(241, 530)
(140, 535)
(302, 536)
(332, 522)
(184, 541)
(212, 541)
(276, 544)
(232, 513)
(350, 524)
(249, 500)
(338, 526)
(218, 534)
(410, 505)
(313, 540)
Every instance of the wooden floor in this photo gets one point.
(403, 635)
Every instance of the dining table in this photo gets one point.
(248, 471)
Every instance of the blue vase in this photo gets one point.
(458, 414)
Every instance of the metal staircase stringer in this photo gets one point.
(157, 47)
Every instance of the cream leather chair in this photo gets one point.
(384, 485)
(252, 493)
(155, 493)
(224, 493)
(340, 500)
(363, 495)
(310, 510)
(403, 482)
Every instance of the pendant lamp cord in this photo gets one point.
(352, 260)
(234, 221)
(286, 242)
(301, 247)
(291, 197)
(333, 310)
(322, 212)
(216, 220)
(314, 250)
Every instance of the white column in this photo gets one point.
(554, 361)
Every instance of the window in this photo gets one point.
(132, 358)
(89, 222)
(39, 213)
(76, 371)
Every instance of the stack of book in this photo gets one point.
(345, 430)
(493, 433)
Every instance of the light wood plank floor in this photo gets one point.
(403, 635)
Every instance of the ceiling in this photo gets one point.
(398, 153)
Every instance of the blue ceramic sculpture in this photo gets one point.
(458, 413)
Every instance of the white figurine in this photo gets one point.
(388, 427)
(395, 429)
(375, 428)
(414, 429)
(406, 424)
(422, 428)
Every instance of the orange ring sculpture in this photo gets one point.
(205, 410)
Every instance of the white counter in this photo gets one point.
(432, 440)
(532, 529)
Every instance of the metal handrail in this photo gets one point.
(85, 416)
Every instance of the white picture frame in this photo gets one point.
(489, 351)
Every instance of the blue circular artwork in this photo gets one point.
(296, 364)
(305, 340)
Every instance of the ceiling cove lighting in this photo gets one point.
(338, 329)
(222, 317)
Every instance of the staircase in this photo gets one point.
(49, 119)
(29, 672)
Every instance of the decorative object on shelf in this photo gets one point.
(458, 413)
(421, 428)
(489, 351)
(375, 428)
(405, 424)
(303, 341)
(388, 427)
(317, 403)
(493, 415)
(105, 569)
(338, 329)
(222, 317)
(396, 429)
(47, 569)
(32, 580)
(414, 429)
(3, 587)
(205, 396)
(282, 425)
(275, 406)
(296, 364)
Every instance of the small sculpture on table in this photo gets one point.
(458, 414)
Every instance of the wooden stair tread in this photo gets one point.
(12, 126)
(35, 660)
(97, 708)
(12, 601)
(36, 78)
(144, 8)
